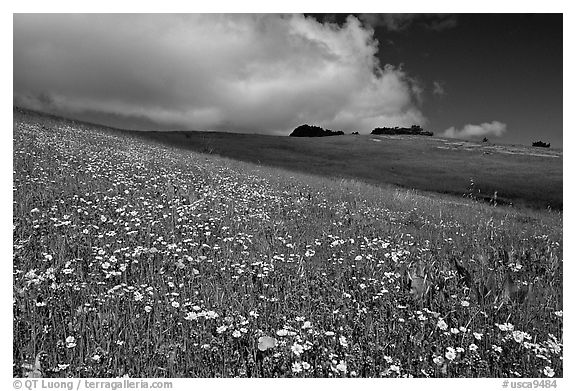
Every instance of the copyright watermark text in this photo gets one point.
(529, 383)
(86, 384)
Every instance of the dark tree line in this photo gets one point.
(413, 130)
(541, 144)
(314, 131)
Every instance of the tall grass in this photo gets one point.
(137, 259)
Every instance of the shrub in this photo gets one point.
(313, 131)
(541, 144)
(413, 130)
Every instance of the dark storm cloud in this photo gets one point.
(261, 73)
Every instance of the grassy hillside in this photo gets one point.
(525, 176)
(140, 259)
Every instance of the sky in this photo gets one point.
(500, 70)
(462, 75)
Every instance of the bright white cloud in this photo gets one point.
(247, 73)
(494, 128)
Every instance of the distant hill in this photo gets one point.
(414, 130)
(313, 131)
(522, 175)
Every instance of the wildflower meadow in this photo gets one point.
(134, 258)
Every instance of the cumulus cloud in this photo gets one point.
(494, 128)
(245, 73)
(400, 22)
